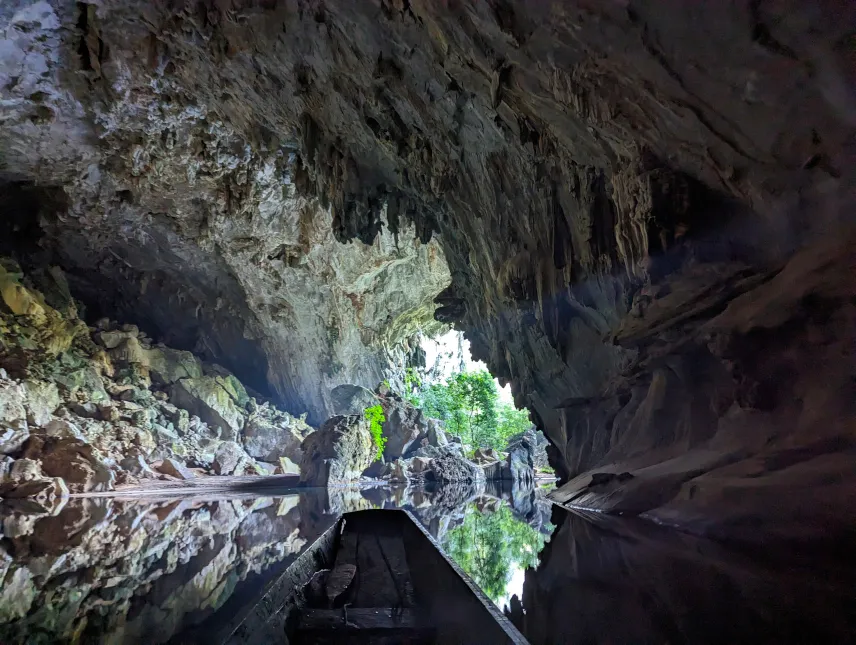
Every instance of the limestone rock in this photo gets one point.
(75, 462)
(351, 399)
(451, 468)
(269, 440)
(137, 466)
(207, 398)
(16, 594)
(229, 458)
(168, 366)
(338, 452)
(42, 399)
(12, 439)
(287, 467)
(404, 427)
(179, 470)
(484, 456)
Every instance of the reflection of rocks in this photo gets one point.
(139, 573)
(338, 452)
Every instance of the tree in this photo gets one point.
(490, 546)
(467, 404)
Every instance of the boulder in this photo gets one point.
(452, 468)
(436, 434)
(13, 439)
(287, 467)
(229, 458)
(41, 402)
(168, 366)
(269, 441)
(176, 469)
(74, 461)
(351, 399)
(404, 428)
(137, 466)
(338, 452)
(484, 456)
(207, 398)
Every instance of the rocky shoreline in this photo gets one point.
(89, 409)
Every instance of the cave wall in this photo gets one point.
(578, 161)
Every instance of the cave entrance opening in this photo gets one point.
(458, 390)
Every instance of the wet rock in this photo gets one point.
(46, 494)
(207, 398)
(180, 471)
(338, 452)
(5, 467)
(351, 399)
(229, 458)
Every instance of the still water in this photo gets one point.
(176, 571)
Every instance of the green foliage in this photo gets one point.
(412, 386)
(490, 547)
(469, 405)
(376, 418)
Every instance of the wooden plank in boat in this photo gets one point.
(375, 583)
(365, 618)
(392, 548)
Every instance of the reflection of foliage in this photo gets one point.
(489, 547)
(469, 406)
(376, 418)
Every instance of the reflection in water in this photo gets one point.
(494, 547)
(132, 571)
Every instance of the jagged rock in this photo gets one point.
(264, 468)
(16, 594)
(268, 441)
(180, 471)
(451, 468)
(137, 466)
(87, 410)
(207, 398)
(42, 400)
(47, 494)
(351, 399)
(484, 456)
(338, 452)
(74, 462)
(436, 434)
(12, 439)
(168, 366)
(6, 463)
(63, 428)
(404, 427)
(229, 458)
(287, 467)
(23, 470)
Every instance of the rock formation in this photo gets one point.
(602, 178)
(86, 409)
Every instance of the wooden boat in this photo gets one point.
(374, 577)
